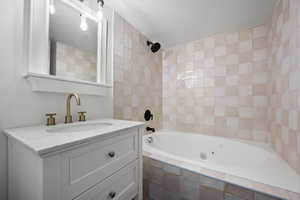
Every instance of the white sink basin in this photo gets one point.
(78, 127)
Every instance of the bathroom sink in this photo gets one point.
(78, 128)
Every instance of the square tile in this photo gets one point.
(246, 46)
(246, 112)
(239, 192)
(220, 51)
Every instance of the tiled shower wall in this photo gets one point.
(241, 85)
(218, 85)
(284, 62)
(137, 75)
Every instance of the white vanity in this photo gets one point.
(95, 160)
(69, 49)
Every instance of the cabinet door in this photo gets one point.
(121, 186)
(86, 166)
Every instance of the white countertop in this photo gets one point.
(41, 141)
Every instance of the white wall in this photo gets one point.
(19, 106)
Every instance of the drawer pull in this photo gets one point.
(111, 154)
(112, 195)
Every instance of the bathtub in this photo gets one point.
(250, 165)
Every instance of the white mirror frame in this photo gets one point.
(38, 52)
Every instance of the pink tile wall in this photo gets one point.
(218, 85)
(239, 85)
(137, 75)
(284, 62)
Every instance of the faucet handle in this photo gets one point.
(150, 129)
(51, 119)
(82, 116)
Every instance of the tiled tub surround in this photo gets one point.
(71, 62)
(284, 62)
(137, 75)
(218, 85)
(241, 85)
(251, 167)
(166, 182)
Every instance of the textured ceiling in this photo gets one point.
(176, 21)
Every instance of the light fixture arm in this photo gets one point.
(149, 43)
(101, 2)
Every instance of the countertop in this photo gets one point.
(42, 141)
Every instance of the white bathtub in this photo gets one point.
(247, 164)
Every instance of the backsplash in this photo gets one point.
(218, 85)
(284, 40)
(137, 75)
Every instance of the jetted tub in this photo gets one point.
(251, 165)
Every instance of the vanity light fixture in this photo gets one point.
(52, 9)
(100, 10)
(83, 23)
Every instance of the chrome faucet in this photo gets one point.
(68, 118)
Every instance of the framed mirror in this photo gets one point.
(70, 50)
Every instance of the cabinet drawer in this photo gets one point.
(121, 186)
(86, 166)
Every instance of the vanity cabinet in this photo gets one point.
(105, 167)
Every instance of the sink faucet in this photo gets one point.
(68, 118)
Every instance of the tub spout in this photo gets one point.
(149, 139)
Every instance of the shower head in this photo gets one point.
(155, 47)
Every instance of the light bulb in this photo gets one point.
(100, 14)
(83, 24)
(52, 9)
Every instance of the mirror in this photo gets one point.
(65, 54)
(73, 43)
